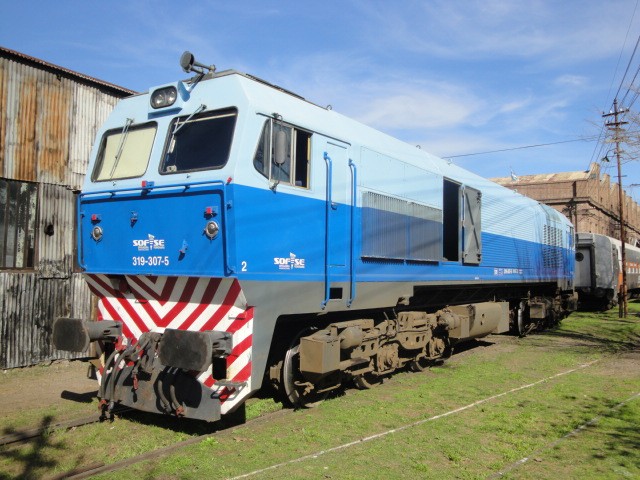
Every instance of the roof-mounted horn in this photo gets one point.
(189, 64)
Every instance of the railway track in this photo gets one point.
(24, 436)
(91, 469)
(87, 471)
(18, 438)
(94, 469)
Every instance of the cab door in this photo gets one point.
(337, 215)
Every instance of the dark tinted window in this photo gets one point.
(199, 142)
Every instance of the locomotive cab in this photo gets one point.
(155, 241)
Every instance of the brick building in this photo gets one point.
(587, 198)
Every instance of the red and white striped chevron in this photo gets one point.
(149, 303)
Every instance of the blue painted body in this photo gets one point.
(292, 234)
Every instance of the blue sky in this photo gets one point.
(455, 77)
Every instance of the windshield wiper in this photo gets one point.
(124, 133)
(178, 126)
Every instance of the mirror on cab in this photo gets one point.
(280, 154)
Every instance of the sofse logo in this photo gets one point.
(150, 243)
(290, 262)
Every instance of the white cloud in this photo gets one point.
(401, 106)
(551, 32)
(575, 81)
(516, 105)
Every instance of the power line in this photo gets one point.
(615, 72)
(585, 139)
(627, 69)
(600, 143)
(634, 49)
(631, 82)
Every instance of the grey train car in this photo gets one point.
(598, 271)
(633, 266)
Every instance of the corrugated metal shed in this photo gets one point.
(49, 116)
(49, 119)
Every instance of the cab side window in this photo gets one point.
(291, 165)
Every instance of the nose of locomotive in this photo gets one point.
(154, 230)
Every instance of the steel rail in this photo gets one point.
(23, 436)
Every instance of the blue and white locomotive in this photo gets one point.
(238, 236)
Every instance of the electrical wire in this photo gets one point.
(585, 139)
(600, 146)
(628, 66)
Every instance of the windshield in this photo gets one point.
(199, 142)
(124, 152)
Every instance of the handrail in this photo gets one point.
(186, 186)
(327, 233)
(80, 249)
(352, 270)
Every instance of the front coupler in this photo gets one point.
(75, 334)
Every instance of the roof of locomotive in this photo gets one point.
(268, 99)
(225, 73)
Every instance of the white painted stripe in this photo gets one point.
(124, 316)
(238, 364)
(228, 319)
(107, 298)
(174, 295)
(411, 425)
(155, 287)
(243, 333)
(115, 305)
(194, 301)
(215, 304)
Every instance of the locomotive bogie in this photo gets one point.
(362, 349)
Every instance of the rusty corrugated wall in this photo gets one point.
(48, 120)
(29, 304)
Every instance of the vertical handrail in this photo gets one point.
(224, 207)
(352, 271)
(79, 235)
(327, 232)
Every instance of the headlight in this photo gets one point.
(211, 230)
(164, 97)
(96, 233)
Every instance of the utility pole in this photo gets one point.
(615, 127)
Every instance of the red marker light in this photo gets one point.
(229, 180)
(208, 211)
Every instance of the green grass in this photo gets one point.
(473, 443)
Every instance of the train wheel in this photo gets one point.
(297, 391)
(367, 381)
(420, 365)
